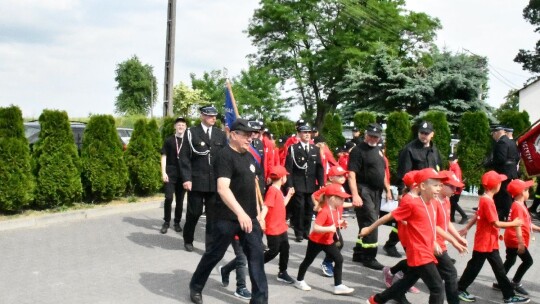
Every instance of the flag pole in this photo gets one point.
(228, 83)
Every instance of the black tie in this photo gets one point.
(208, 133)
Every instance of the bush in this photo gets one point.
(474, 146)
(519, 121)
(281, 127)
(398, 134)
(57, 165)
(363, 119)
(442, 138)
(143, 159)
(167, 128)
(333, 131)
(16, 180)
(104, 173)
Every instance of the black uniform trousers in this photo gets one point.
(366, 248)
(223, 235)
(448, 273)
(503, 201)
(428, 273)
(196, 201)
(475, 265)
(177, 190)
(278, 244)
(511, 256)
(302, 213)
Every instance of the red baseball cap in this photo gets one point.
(516, 186)
(408, 179)
(451, 179)
(425, 174)
(491, 179)
(337, 190)
(278, 172)
(337, 170)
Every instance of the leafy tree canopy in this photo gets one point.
(137, 85)
(530, 59)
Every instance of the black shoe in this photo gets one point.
(177, 227)
(164, 228)
(189, 248)
(475, 208)
(392, 251)
(196, 297)
(357, 258)
(453, 261)
(519, 289)
(464, 220)
(403, 300)
(373, 264)
(224, 278)
(298, 238)
(453, 220)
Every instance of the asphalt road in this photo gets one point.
(122, 258)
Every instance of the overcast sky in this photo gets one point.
(62, 54)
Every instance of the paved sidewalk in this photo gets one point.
(119, 256)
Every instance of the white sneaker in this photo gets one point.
(342, 289)
(302, 285)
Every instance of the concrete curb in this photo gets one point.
(76, 215)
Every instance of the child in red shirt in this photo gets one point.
(517, 240)
(322, 238)
(276, 222)
(486, 242)
(420, 214)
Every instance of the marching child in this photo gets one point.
(322, 238)
(336, 175)
(276, 222)
(420, 214)
(517, 240)
(486, 242)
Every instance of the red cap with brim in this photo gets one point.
(451, 179)
(491, 179)
(425, 174)
(337, 171)
(408, 179)
(278, 172)
(516, 186)
(337, 190)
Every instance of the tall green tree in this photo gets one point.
(363, 119)
(137, 85)
(16, 180)
(519, 121)
(57, 164)
(311, 43)
(511, 102)
(398, 133)
(474, 146)
(530, 60)
(186, 100)
(333, 130)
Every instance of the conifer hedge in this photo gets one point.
(333, 131)
(398, 134)
(442, 137)
(167, 128)
(519, 121)
(363, 119)
(16, 180)
(57, 164)
(104, 172)
(474, 145)
(143, 159)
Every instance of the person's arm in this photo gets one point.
(289, 166)
(453, 231)
(356, 199)
(288, 197)
(323, 229)
(521, 243)
(515, 223)
(447, 236)
(387, 187)
(224, 191)
(164, 175)
(185, 160)
(367, 230)
(464, 230)
(535, 228)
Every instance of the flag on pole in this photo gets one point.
(230, 113)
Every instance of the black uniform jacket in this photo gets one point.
(417, 157)
(505, 157)
(305, 169)
(196, 162)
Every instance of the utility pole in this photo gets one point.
(169, 59)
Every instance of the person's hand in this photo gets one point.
(317, 208)
(521, 248)
(459, 247)
(245, 222)
(343, 224)
(388, 195)
(187, 186)
(463, 232)
(290, 193)
(357, 201)
(463, 241)
(437, 249)
(262, 222)
(365, 231)
(165, 177)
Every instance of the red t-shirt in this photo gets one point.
(420, 230)
(443, 218)
(486, 238)
(402, 228)
(454, 167)
(343, 160)
(276, 221)
(325, 218)
(518, 210)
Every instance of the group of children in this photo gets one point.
(424, 228)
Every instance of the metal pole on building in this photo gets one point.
(169, 59)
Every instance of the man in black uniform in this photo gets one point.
(367, 182)
(356, 139)
(203, 142)
(505, 161)
(303, 162)
(236, 214)
(170, 174)
(418, 154)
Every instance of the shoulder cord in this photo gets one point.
(193, 148)
(304, 167)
